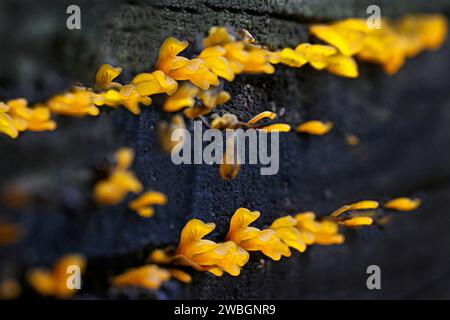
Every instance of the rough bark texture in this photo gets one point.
(402, 122)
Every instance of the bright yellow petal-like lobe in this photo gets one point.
(182, 98)
(160, 256)
(319, 232)
(149, 276)
(226, 256)
(347, 36)
(170, 48)
(253, 239)
(205, 255)
(242, 218)
(358, 221)
(105, 75)
(237, 56)
(286, 230)
(212, 98)
(277, 127)
(217, 36)
(403, 204)
(316, 54)
(364, 205)
(288, 57)
(3, 107)
(328, 234)
(216, 62)
(180, 275)
(342, 66)
(7, 126)
(142, 205)
(262, 115)
(78, 103)
(258, 61)
(197, 73)
(40, 120)
(195, 230)
(149, 198)
(315, 127)
(360, 205)
(148, 84)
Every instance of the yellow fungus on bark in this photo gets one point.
(217, 36)
(315, 127)
(105, 76)
(277, 127)
(254, 239)
(181, 68)
(360, 205)
(342, 66)
(358, 221)
(263, 115)
(143, 204)
(148, 84)
(316, 54)
(184, 97)
(216, 62)
(288, 57)
(180, 275)
(77, 103)
(121, 181)
(286, 229)
(403, 204)
(148, 276)
(206, 255)
(53, 282)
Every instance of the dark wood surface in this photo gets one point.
(403, 122)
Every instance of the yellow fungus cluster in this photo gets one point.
(16, 116)
(149, 277)
(284, 233)
(389, 45)
(297, 232)
(122, 181)
(224, 56)
(54, 282)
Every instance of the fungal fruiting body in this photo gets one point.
(224, 56)
(206, 255)
(54, 282)
(143, 204)
(403, 204)
(121, 181)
